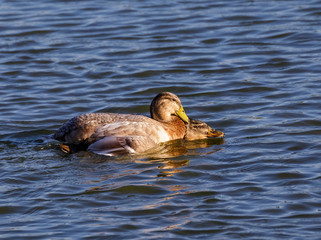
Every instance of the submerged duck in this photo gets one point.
(112, 133)
(197, 129)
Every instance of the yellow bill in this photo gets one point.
(182, 115)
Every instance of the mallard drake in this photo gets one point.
(111, 133)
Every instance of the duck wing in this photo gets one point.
(129, 137)
(79, 129)
(151, 129)
(113, 145)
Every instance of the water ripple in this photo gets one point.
(253, 76)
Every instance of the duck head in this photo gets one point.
(197, 129)
(167, 107)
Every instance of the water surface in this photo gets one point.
(248, 68)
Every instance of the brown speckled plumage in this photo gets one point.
(106, 133)
(80, 128)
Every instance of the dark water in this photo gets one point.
(249, 68)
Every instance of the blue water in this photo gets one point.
(248, 68)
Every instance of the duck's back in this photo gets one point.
(79, 129)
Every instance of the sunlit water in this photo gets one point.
(248, 68)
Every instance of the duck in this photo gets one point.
(197, 130)
(114, 133)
